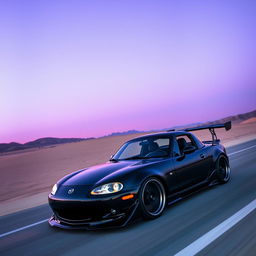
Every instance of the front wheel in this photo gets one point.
(152, 198)
(223, 170)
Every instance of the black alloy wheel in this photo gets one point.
(223, 170)
(152, 198)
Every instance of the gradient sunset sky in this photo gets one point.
(89, 68)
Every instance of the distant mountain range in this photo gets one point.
(123, 133)
(49, 141)
(236, 118)
(241, 118)
(43, 142)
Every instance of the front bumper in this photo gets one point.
(93, 213)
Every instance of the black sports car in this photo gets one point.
(143, 176)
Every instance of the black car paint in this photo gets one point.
(177, 173)
(194, 167)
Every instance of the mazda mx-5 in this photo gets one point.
(141, 178)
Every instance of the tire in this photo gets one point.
(223, 170)
(152, 198)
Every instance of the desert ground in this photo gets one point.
(27, 177)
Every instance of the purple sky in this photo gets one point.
(89, 68)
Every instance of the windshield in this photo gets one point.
(150, 147)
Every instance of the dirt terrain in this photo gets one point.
(27, 177)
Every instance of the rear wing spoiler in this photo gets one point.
(211, 128)
(226, 125)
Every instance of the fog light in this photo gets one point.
(113, 211)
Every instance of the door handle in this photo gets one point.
(202, 155)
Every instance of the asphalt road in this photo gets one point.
(179, 226)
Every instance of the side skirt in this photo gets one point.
(173, 198)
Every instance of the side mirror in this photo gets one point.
(111, 157)
(189, 149)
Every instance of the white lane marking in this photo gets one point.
(39, 222)
(22, 228)
(216, 232)
(241, 150)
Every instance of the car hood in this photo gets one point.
(94, 174)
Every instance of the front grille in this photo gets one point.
(76, 214)
(76, 210)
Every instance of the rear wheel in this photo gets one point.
(223, 170)
(152, 198)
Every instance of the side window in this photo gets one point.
(163, 142)
(184, 141)
(164, 145)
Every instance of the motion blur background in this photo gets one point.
(89, 68)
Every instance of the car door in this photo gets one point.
(190, 168)
(166, 165)
(162, 166)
